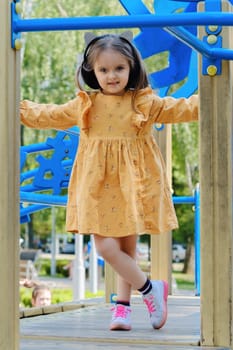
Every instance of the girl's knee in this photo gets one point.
(106, 246)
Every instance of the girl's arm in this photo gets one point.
(174, 110)
(49, 116)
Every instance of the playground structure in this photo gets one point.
(216, 154)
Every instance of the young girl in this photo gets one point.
(118, 187)
(41, 296)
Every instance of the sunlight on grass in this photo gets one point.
(184, 281)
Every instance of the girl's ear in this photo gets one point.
(128, 35)
(88, 37)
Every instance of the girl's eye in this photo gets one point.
(120, 68)
(103, 70)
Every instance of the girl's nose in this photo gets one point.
(112, 74)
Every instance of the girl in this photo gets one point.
(41, 296)
(118, 187)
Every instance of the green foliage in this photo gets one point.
(185, 233)
(45, 266)
(185, 176)
(61, 270)
(25, 296)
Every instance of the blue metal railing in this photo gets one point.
(134, 21)
(113, 22)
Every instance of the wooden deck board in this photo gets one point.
(87, 328)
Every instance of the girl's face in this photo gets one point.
(112, 72)
(43, 298)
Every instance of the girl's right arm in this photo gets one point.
(50, 116)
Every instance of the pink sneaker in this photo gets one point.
(120, 318)
(156, 302)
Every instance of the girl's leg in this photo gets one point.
(127, 245)
(120, 254)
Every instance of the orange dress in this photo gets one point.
(118, 186)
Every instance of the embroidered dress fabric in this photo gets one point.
(118, 184)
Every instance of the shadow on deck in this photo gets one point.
(87, 328)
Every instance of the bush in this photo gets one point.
(44, 266)
(61, 268)
(25, 295)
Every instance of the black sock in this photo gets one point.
(146, 288)
(121, 302)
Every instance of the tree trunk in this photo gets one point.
(189, 259)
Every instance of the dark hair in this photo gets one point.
(137, 76)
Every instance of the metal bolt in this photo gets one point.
(18, 44)
(18, 8)
(212, 39)
(212, 70)
(213, 28)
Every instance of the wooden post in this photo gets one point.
(110, 282)
(161, 260)
(216, 164)
(9, 182)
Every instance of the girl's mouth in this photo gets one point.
(113, 83)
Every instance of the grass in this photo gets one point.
(184, 281)
(64, 295)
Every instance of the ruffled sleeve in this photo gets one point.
(143, 104)
(154, 109)
(174, 110)
(53, 116)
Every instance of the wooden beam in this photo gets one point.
(161, 245)
(9, 182)
(216, 193)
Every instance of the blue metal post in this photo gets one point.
(197, 237)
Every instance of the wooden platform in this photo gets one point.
(87, 328)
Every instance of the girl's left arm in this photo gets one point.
(50, 116)
(175, 110)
